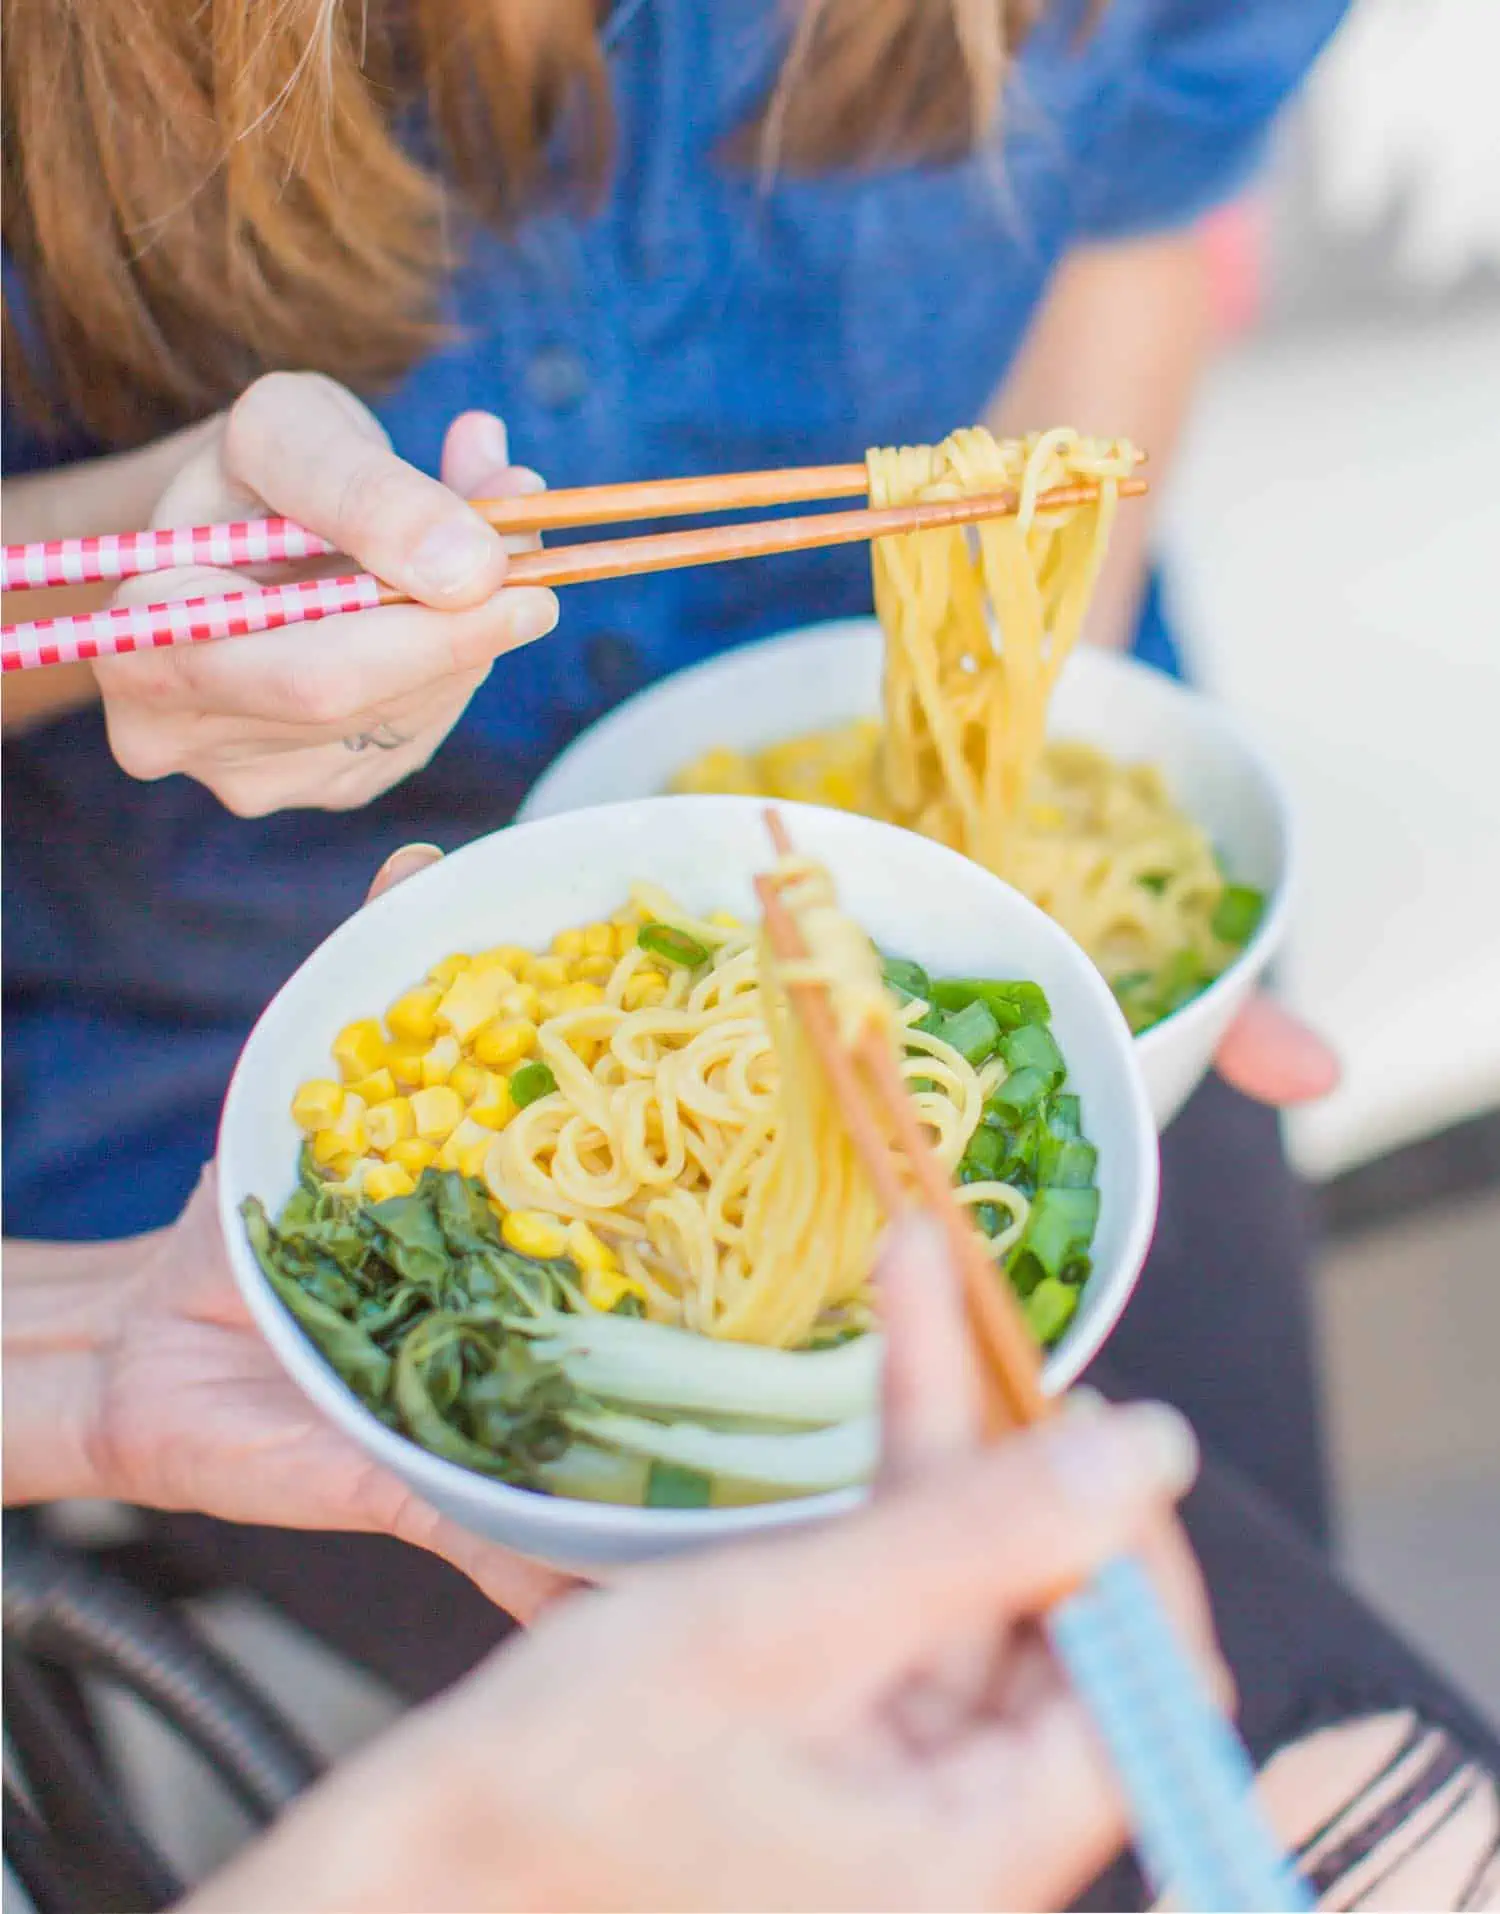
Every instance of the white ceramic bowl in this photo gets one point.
(523, 885)
(829, 674)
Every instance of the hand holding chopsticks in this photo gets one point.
(1188, 1781)
(256, 543)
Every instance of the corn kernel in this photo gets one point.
(568, 945)
(317, 1104)
(577, 996)
(532, 1233)
(468, 1079)
(437, 1111)
(390, 1123)
(406, 1067)
(473, 998)
(547, 973)
(604, 1288)
(327, 1146)
(414, 1156)
(594, 970)
(588, 1251)
(413, 1018)
(510, 957)
(359, 1049)
(342, 1167)
(505, 1041)
(722, 920)
(438, 1063)
(522, 1002)
(466, 1149)
(494, 1106)
(385, 1180)
(645, 988)
(598, 940)
(626, 930)
(443, 974)
(350, 1126)
(377, 1088)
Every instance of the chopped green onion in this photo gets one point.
(1061, 1226)
(1033, 1047)
(1153, 881)
(973, 1032)
(1065, 1116)
(629, 1305)
(1049, 1309)
(1237, 913)
(1009, 1004)
(531, 1081)
(986, 1152)
(1183, 975)
(1021, 1091)
(675, 946)
(1065, 1162)
(990, 1218)
(907, 979)
(671, 1486)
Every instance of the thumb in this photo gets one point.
(400, 865)
(1270, 1055)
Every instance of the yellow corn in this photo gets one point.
(438, 1063)
(390, 1123)
(598, 940)
(413, 1018)
(443, 974)
(580, 996)
(588, 1251)
(532, 1233)
(594, 970)
(568, 945)
(645, 988)
(385, 1180)
(626, 930)
(414, 1156)
(375, 1088)
(437, 1111)
(494, 1106)
(510, 957)
(359, 1049)
(317, 1104)
(523, 1002)
(473, 998)
(722, 920)
(406, 1067)
(603, 1288)
(466, 1149)
(547, 973)
(468, 1079)
(328, 1147)
(505, 1041)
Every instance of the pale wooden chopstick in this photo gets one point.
(124, 628)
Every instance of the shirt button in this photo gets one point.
(557, 377)
(613, 663)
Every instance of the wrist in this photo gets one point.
(65, 1307)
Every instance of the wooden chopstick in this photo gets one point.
(1011, 1361)
(671, 498)
(53, 641)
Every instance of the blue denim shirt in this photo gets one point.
(698, 322)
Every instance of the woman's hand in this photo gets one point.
(857, 1716)
(134, 1372)
(1270, 1055)
(276, 720)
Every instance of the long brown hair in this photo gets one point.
(196, 193)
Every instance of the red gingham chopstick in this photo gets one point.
(101, 634)
(113, 555)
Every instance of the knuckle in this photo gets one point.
(144, 752)
(309, 692)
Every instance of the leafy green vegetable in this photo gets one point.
(349, 1346)
(531, 1081)
(675, 946)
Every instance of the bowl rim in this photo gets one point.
(563, 1515)
(1207, 713)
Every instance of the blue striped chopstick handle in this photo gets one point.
(1199, 1832)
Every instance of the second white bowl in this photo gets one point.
(829, 674)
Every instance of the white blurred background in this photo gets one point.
(1334, 535)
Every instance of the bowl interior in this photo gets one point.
(524, 884)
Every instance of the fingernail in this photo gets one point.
(525, 481)
(530, 612)
(406, 862)
(493, 439)
(915, 1237)
(1108, 1457)
(452, 556)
